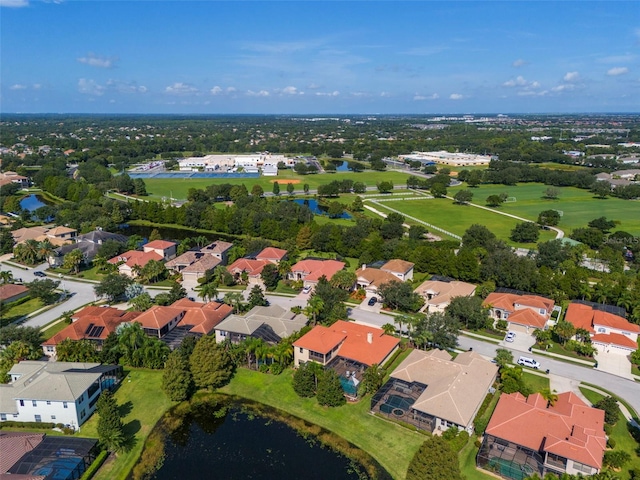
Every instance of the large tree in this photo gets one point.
(112, 286)
(525, 232)
(270, 276)
(400, 296)
(73, 260)
(549, 217)
(44, 290)
(110, 428)
(304, 381)
(177, 381)
(463, 197)
(329, 392)
(441, 331)
(77, 351)
(211, 364)
(434, 460)
(256, 297)
(468, 311)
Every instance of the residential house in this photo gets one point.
(129, 262)
(370, 279)
(218, 249)
(10, 292)
(521, 311)
(252, 268)
(199, 269)
(271, 324)
(57, 236)
(609, 332)
(12, 177)
(528, 435)
(438, 293)
(433, 391)
(181, 262)
(89, 244)
(272, 255)
(58, 392)
(347, 348)
(63, 233)
(402, 269)
(91, 323)
(162, 247)
(159, 320)
(309, 271)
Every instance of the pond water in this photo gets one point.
(243, 446)
(343, 167)
(31, 203)
(316, 208)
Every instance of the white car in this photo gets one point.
(306, 290)
(528, 362)
(511, 336)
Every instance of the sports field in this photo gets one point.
(178, 187)
(443, 213)
(579, 207)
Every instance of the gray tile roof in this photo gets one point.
(282, 321)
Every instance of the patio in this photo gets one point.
(350, 373)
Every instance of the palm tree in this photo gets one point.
(45, 249)
(72, 260)
(209, 291)
(388, 329)
(313, 308)
(6, 276)
(550, 396)
(201, 241)
(234, 299)
(29, 252)
(131, 337)
(250, 345)
(402, 320)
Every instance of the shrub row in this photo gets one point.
(39, 425)
(97, 463)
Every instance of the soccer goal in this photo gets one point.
(510, 200)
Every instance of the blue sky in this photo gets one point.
(304, 57)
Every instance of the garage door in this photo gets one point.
(518, 328)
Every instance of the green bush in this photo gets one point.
(39, 425)
(276, 368)
(611, 443)
(616, 458)
(93, 468)
(264, 368)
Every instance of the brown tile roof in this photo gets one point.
(203, 318)
(98, 312)
(443, 292)
(56, 231)
(397, 265)
(373, 276)
(187, 258)
(204, 264)
(584, 316)
(136, 257)
(520, 315)
(353, 339)
(28, 233)
(217, 247)
(158, 316)
(159, 244)
(83, 328)
(252, 267)
(10, 290)
(568, 428)
(14, 445)
(314, 269)
(272, 253)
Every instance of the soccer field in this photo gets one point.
(579, 207)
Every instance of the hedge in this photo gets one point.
(39, 425)
(97, 463)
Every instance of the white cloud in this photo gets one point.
(99, 61)
(314, 86)
(564, 87)
(291, 91)
(216, 90)
(519, 63)
(125, 87)
(571, 77)
(90, 87)
(532, 93)
(456, 96)
(614, 72)
(18, 86)
(519, 81)
(335, 93)
(231, 89)
(261, 93)
(37, 86)
(14, 3)
(180, 88)
(433, 96)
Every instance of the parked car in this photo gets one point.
(39, 274)
(372, 301)
(528, 362)
(306, 289)
(511, 336)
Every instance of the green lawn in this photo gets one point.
(578, 206)
(11, 313)
(624, 441)
(142, 401)
(160, 187)
(443, 213)
(391, 445)
(53, 328)
(535, 382)
(560, 350)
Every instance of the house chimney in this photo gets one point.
(364, 266)
(370, 337)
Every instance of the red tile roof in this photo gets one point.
(203, 319)
(507, 301)
(614, 321)
(159, 244)
(14, 445)
(528, 317)
(569, 428)
(580, 316)
(80, 329)
(272, 253)
(397, 266)
(252, 267)
(353, 339)
(158, 316)
(136, 257)
(10, 290)
(615, 339)
(314, 269)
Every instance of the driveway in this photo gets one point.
(521, 342)
(614, 363)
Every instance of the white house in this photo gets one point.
(57, 392)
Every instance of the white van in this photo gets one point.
(528, 362)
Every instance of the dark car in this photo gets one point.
(372, 301)
(39, 274)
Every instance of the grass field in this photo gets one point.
(141, 400)
(11, 313)
(578, 206)
(443, 213)
(178, 187)
(536, 383)
(53, 328)
(620, 433)
(391, 445)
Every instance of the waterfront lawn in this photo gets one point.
(620, 433)
(443, 213)
(391, 445)
(179, 187)
(579, 206)
(12, 312)
(142, 402)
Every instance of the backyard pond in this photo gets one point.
(316, 208)
(31, 203)
(225, 440)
